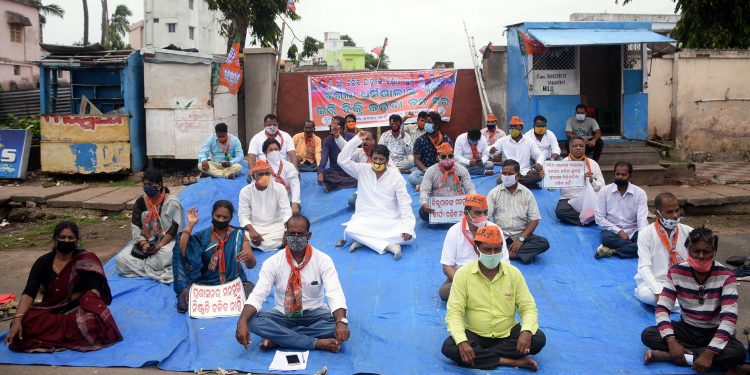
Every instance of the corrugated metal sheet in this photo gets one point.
(585, 37)
(26, 103)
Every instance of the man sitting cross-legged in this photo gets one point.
(264, 208)
(459, 247)
(707, 292)
(300, 277)
(482, 308)
(445, 178)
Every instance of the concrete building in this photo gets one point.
(19, 44)
(184, 23)
(334, 56)
(136, 35)
(660, 23)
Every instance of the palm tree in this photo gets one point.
(119, 21)
(85, 23)
(47, 10)
(105, 23)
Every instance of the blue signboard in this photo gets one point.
(14, 153)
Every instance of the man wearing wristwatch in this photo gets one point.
(300, 276)
(481, 315)
(513, 207)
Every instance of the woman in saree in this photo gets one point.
(73, 313)
(214, 255)
(157, 216)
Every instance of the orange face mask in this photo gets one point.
(265, 180)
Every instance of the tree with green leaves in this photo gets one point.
(118, 27)
(258, 16)
(292, 54)
(46, 11)
(711, 23)
(371, 61)
(348, 41)
(310, 47)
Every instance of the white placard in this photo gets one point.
(563, 174)
(213, 301)
(447, 209)
(555, 82)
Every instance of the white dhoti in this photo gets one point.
(644, 294)
(377, 233)
(157, 266)
(273, 236)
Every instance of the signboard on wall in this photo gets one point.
(374, 96)
(14, 153)
(555, 82)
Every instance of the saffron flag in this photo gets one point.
(487, 48)
(230, 74)
(290, 6)
(531, 46)
(377, 51)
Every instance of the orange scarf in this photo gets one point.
(218, 257)
(293, 296)
(474, 151)
(309, 147)
(225, 149)
(456, 180)
(588, 163)
(674, 258)
(279, 179)
(439, 141)
(465, 231)
(152, 223)
(491, 139)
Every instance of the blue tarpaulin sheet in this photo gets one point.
(585, 37)
(586, 306)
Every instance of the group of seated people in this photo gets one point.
(677, 271)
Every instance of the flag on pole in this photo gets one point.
(377, 51)
(290, 6)
(230, 74)
(530, 45)
(486, 48)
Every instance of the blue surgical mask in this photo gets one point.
(472, 142)
(490, 261)
(429, 127)
(151, 191)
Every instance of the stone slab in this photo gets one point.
(653, 191)
(6, 192)
(75, 200)
(731, 193)
(38, 194)
(172, 190)
(114, 200)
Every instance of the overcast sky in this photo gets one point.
(419, 32)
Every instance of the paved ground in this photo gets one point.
(724, 172)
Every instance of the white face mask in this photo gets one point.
(580, 116)
(272, 129)
(273, 157)
(508, 181)
(490, 261)
(668, 223)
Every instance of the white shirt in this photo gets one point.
(319, 279)
(653, 257)
(522, 151)
(462, 150)
(598, 184)
(291, 179)
(628, 212)
(491, 138)
(457, 250)
(548, 145)
(400, 148)
(264, 209)
(256, 144)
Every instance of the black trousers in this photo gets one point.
(566, 213)
(533, 246)
(597, 149)
(488, 350)
(696, 339)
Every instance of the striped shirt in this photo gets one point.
(512, 211)
(718, 310)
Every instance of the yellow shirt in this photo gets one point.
(301, 146)
(488, 308)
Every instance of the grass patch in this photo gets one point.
(39, 234)
(125, 182)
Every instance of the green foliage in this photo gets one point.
(310, 47)
(712, 23)
(259, 16)
(49, 10)
(371, 61)
(292, 53)
(118, 27)
(23, 122)
(348, 41)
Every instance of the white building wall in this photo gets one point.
(206, 23)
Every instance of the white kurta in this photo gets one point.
(653, 261)
(291, 179)
(266, 211)
(383, 209)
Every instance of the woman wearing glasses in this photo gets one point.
(446, 178)
(73, 313)
(707, 292)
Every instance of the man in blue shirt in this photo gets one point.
(221, 154)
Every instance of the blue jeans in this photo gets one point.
(415, 178)
(294, 333)
(479, 169)
(625, 248)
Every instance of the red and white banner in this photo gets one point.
(213, 301)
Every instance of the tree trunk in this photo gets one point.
(240, 28)
(105, 24)
(85, 23)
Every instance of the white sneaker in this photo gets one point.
(395, 249)
(354, 246)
